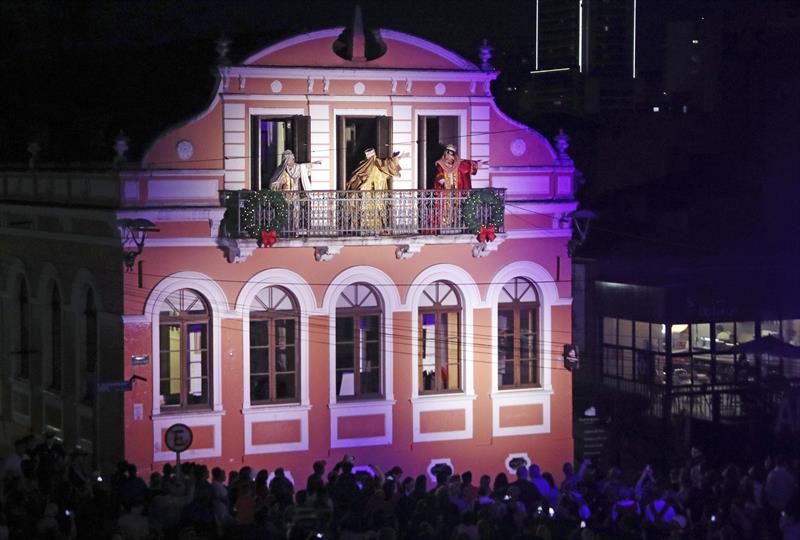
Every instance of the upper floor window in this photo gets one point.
(89, 379)
(439, 365)
(269, 137)
(274, 346)
(359, 363)
(22, 365)
(184, 347)
(518, 335)
(355, 135)
(56, 352)
(435, 132)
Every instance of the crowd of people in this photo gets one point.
(52, 494)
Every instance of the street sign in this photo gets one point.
(114, 386)
(178, 437)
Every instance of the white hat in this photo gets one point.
(450, 148)
(369, 152)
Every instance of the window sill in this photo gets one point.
(193, 413)
(53, 392)
(536, 390)
(455, 397)
(361, 403)
(275, 407)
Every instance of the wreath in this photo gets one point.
(272, 204)
(470, 213)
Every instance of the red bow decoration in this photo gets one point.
(268, 238)
(486, 234)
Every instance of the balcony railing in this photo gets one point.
(399, 212)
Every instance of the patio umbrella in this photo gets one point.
(767, 345)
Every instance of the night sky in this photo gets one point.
(77, 72)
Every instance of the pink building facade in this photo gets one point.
(398, 338)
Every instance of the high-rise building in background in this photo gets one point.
(584, 56)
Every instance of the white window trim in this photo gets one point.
(217, 302)
(463, 147)
(275, 413)
(212, 419)
(390, 298)
(334, 153)
(470, 300)
(362, 408)
(548, 297)
(307, 304)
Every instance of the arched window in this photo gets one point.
(359, 357)
(439, 339)
(56, 351)
(89, 380)
(22, 366)
(184, 348)
(518, 335)
(274, 347)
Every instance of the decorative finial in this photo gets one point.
(121, 148)
(33, 149)
(486, 55)
(562, 143)
(359, 40)
(223, 48)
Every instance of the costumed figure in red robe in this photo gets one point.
(453, 178)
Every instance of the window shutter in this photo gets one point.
(384, 142)
(255, 150)
(301, 128)
(341, 153)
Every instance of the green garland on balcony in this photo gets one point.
(263, 198)
(469, 210)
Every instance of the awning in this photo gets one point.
(768, 345)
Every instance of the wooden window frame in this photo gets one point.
(437, 310)
(22, 367)
(300, 144)
(517, 306)
(356, 313)
(270, 317)
(382, 145)
(56, 342)
(184, 320)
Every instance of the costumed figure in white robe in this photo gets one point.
(291, 176)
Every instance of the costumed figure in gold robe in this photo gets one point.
(373, 174)
(453, 178)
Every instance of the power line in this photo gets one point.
(329, 149)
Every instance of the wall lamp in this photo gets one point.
(580, 226)
(133, 233)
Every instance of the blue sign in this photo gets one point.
(114, 386)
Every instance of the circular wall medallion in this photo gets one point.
(276, 86)
(184, 149)
(440, 89)
(359, 88)
(518, 147)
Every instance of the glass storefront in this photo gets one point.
(700, 352)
